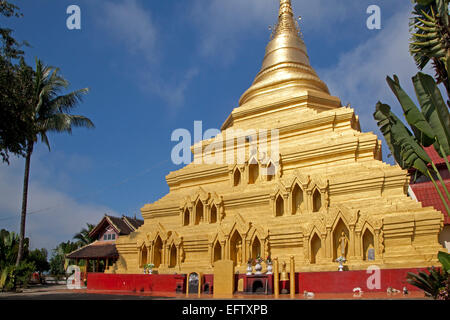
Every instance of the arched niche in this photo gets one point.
(297, 199)
(217, 252)
(173, 256)
(236, 248)
(186, 217)
(316, 201)
(237, 177)
(368, 244)
(144, 258)
(316, 247)
(279, 206)
(341, 240)
(157, 256)
(253, 173)
(198, 212)
(256, 248)
(213, 214)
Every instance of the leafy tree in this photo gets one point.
(430, 41)
(58, 259)
(50, 112)
(11, 276)
(83, 236)
(39, 258)
(15, 82)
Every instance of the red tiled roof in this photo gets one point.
(427, 194)
(434, 156)
(97, 249)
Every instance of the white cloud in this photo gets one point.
(55, 215)
(359, 77)
(132, 25)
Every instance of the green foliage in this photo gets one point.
(12, 277)
(39, 258)
(15, 86)
(430, 125)
(83, 236)
(430, 37)
(435, 283)
(431, 283)
(9, 246)
(58, 259)
(444, 259)
(434, 111)
(401, 142)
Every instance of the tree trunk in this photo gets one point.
(24, 202)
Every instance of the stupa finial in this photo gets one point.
(286, 22)
(286, 67)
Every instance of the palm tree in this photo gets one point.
(50, 113)
(83, 236)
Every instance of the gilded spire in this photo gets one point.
(286, 23)
(286, 64)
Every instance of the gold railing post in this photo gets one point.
(292, 278)
(276, 279)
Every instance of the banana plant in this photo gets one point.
(432, 125)
(405, 148)
(430, 39)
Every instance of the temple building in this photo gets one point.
(317, 189)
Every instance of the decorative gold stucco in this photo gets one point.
(331, 192)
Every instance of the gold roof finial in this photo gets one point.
(286, 65)
(286, 21)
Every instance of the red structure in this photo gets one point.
(317, 282)
(136, 282)
(424, 191)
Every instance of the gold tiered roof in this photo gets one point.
(286, 63)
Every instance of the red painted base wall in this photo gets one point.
(346, 281)
(318, 282)
(135, 282)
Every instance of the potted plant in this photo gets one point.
(149, 267)
(269, 265)
(258, 266)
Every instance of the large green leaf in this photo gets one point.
(444, 259)
(434, 109)
(422, 130)
(407, 152)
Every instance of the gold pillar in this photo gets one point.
(329, 244)
(222, 249)
(351, 250)
(248, 251)
(211, 254)
(358, 248)
(377, 244)
(276, 279)
(151, 259)
(164, 254)
(292, 278)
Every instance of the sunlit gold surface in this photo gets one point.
(323, 152)
(286, 63)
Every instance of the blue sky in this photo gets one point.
(155, 66)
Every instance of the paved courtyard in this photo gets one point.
(60, 292)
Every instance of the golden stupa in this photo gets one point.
(323, 194)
